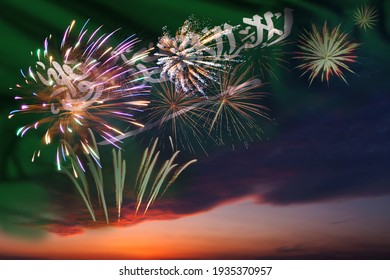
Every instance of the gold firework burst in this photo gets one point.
(365, 16)
(178, 115)
(232, 112)
(326, 54)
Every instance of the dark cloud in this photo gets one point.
(295, 249)
(356, 251)
(324, 156)
(319, 157)
(17, 257)
(345, 221)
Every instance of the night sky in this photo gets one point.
(316, 186)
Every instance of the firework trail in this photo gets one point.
(77, 176)
(365, 17)
(325, 53)
(188, 59)
(233, 110)
(120, 174)
(178, 115)
(78, 87)
(149, 178)
(73, 167)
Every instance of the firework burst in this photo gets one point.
(187, 59)
(271, 59)
(177, 115)
(233, 110)
(78, 87)
(325, 53)
(365, 17)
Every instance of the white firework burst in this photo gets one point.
(188, 59)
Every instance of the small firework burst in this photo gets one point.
(177, 115)
(365, 16)
(325, 53)
(271, 59)
(80, 87)
(187, 59)
(234, 109)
